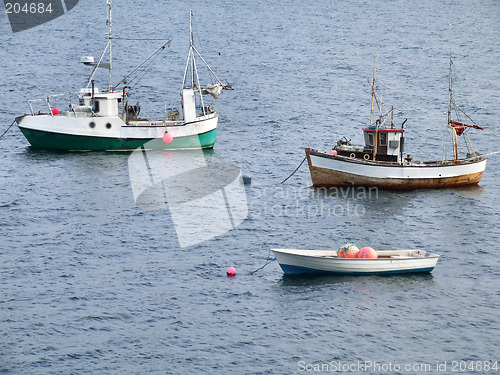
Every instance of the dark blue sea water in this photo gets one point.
(92, 283)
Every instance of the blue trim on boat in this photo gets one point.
(296, 270)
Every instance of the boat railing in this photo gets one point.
(363, 161)
(470, 159)
(47, 100)
(444, 163)
(437, 163)
(145, 122)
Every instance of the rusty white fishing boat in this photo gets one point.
(293, 261)
(98, 120)
(380, 162)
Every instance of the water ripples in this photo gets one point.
(90, 283)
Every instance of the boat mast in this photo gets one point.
(375, 141)
(99, 63)
(373, 92)
(450, 101)
(191, 65)
(191, 44)
(190, 59)
(110, 36)
(449, 92)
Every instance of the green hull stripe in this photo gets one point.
(68, 142)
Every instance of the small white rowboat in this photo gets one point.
(294, 261)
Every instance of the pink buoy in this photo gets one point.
(231, 271)
(167, 137)
(334, 152)
(367, 252)
(55, 111)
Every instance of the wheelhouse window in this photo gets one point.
(370, 139)
(383, 139)
(97, 106)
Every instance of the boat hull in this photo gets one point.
(337, 171)
(69, 142)
(75, 134)
(294, 262)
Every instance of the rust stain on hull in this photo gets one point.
(322, 177)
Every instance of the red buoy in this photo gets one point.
(55, 111)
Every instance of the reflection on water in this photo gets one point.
(472, 192)
(393, 281)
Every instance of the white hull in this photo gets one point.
(114, 127)
(333, 170)
(110, 133)
(294, 261)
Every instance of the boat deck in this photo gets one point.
(434, 163)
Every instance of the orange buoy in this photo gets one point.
(349, 250)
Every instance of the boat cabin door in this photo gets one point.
(188, 105)
(382, 143)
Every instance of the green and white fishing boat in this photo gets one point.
(104, 120)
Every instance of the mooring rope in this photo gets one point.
(491, 153)
(296, 169)
(268, 261)
(7, 129)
